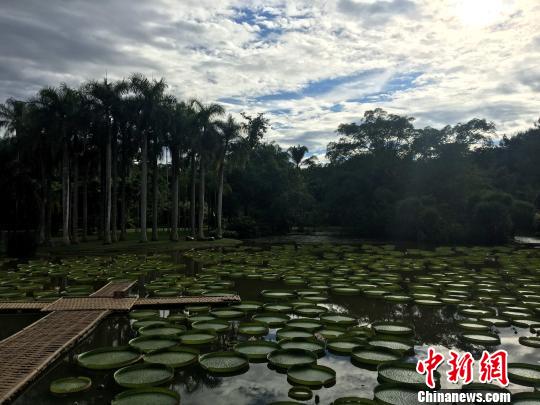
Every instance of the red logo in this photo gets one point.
(492, 367)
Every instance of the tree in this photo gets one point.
(205, 145)
(228, 134)
(148, 95)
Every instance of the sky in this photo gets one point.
(309, 65)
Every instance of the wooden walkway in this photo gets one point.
(24, 355)
(113, 304)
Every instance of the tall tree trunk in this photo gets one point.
(48, 214)
(85, 204)
(144, 185)
(108, 175)
(220, 198)
(65, 192)
(174, 194)
(123, 206)
(155, 198)
(114, 192)
(201, 197)
(193, 195)
(75, 208)
(43, 205)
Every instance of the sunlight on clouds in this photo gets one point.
(479, 13)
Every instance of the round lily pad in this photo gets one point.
(278, 294)
(524, 374)
(253, 328)
(338, 320)
(198, 337)
(392, 328)
(290, 332)
(107, 358)
(272, 319)
(143, 375)
(223, 362)
(311, 375)
(373, 356)
(146, 344)
(311, 311)
(477, 326)
(256, 350)
(344, 345)
(526, 398)
(399, 345)
(301, 393)
(227, 313)
(530, 341)
(286, 358)
(308, 324)
(404, 374)
(162, 331)
(149, 395)
(70, 385)
(174, 357)
(217, 325)
(311, 344)
(143, 313)
(393, 394)
(482, 338)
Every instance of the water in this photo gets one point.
(434, 326)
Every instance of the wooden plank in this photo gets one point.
(24, 355)
(90, 304)
(109, 289)
(22, 305)
(187, 300)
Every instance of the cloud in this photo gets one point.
(309, 64)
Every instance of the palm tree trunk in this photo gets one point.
(75, 208)
(193, 195)
(48, 214)
(43, 205)
(65, 192)
(220, 198)
(155, 197)
(144, 185)
(174, 194)
(123, 207)
(114, 192)
(108, 175)
(85, 204)
(201, 198)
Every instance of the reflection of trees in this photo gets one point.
(194, 378)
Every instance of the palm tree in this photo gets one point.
(149, 94)
(62, 105)
(229, 132)
(297, 153)
(181, 127)
(107, 96)
(206, 141)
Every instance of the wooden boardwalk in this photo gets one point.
(24, 355)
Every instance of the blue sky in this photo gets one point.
(309, 65)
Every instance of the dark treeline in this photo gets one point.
(111, 155)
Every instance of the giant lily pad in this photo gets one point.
(70, 385)
(524, 374)
(106, 358)
(145, 396)
(256, 350)
(286, 358)
(311, 375)
(224, 362)
(174, 357)
(143, 375)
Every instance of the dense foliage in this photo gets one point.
(76, 162)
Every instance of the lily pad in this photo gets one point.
(253, 328)
(404, 374)
(256, 350)
(223, 362)
(482, 338)
(271, 319)
(107, 358)
(524, 374)
(393, 394)
(311, 375)
(286, 358)
(371, 356)
(145, 396)
(301, 393)
(311, 344)
(174, 357)
(70, 385)
(146, 344)
(217, 325)
(143, 375)
(198, 337)
(392, 328)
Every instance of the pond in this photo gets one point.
(342, 292)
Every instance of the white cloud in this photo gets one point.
(468, 64)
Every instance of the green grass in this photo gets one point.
(132, 245)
